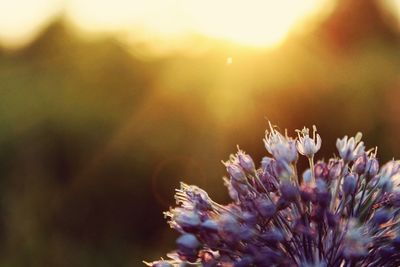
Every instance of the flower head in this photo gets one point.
(343, 212)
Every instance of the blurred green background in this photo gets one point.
(97, 131)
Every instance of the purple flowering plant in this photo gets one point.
(340, 212)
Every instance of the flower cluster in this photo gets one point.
(340, 212)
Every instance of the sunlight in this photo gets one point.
(255, 22)
(21, 20)
(252, 22)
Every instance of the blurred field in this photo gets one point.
(95, 134)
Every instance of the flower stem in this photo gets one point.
(311, 161)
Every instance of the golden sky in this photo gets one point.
(251, 22)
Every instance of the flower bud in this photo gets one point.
(366, 165)
(385, 182)
(188, 220)
(360, 164)
(236, 172)
(188, 246)
(233, 193)
(228, 224)
(321, 170)
(246, 162)
(266, 162)
(381, 216)
(188, 241)
(349, 184)
(394, 199)
(266, 208)
(335, 167)
(372, 167)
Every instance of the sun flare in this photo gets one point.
(254, 22)
(251, 22)
(258, 23)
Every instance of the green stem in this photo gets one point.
(311, 161)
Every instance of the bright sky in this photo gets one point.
(251, 22)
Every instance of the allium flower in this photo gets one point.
(235, 171)
(343, 212)
(306, 145)
(350, 148)
(349, 184)
(282, 148)
(245, 161)
(335, 168)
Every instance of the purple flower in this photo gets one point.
(372, 167)
(349, 184)
(350, 148)
(266, 208)
(245, 161)
(188, 247)
(335, 167)
(381, 216)
(366, 165)
(280, 147)
(188, 220)
(321, 170)
(344, 212)
(306, 145)
(360, 164)
(394, 199)
(289, 191)
(236, 172)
